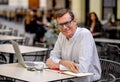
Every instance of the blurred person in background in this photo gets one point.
(93, 24)
(34, 27)
(29, 29)
(40, 26)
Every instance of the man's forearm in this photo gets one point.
(51, 64)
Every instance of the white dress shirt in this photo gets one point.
(80, 49)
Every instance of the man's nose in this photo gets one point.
(64, 26)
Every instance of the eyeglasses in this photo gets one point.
(67, 24)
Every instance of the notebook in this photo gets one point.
(26, 64)
(77, 74)
(70, 73)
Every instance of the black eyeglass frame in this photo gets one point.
(65, 23)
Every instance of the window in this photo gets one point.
(109, 8)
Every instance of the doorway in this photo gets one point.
(33, 4)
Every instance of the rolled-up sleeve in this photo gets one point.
(55, 54)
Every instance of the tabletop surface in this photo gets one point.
(8, 48)
(7, 37)
(105, 40)
(16, 71)
(4, 30)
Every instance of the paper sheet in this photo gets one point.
(77, 74)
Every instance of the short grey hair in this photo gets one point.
(61, 12)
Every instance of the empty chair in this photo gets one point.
(102, 50)
(1, 26)
(110, 71)
(30, 37)
(4, 27)
(15, 32)
(11, 31)
(26, 41)
(3, 59)
(21, 41)
(114, 52)
(38, 44)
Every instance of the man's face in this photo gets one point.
(67, 25)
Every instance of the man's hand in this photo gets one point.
(70, 65)
(51, 64)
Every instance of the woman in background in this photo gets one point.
(29, 28)
(94, 24)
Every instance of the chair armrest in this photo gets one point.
(113, 78)
(102, 80)
(108, 80)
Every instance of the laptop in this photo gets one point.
(26, 64)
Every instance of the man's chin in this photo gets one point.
(68, 36)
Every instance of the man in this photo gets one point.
(74, 49)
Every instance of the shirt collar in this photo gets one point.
(75, 35)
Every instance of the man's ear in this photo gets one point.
(75, 20)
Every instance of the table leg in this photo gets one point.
(11, 58)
